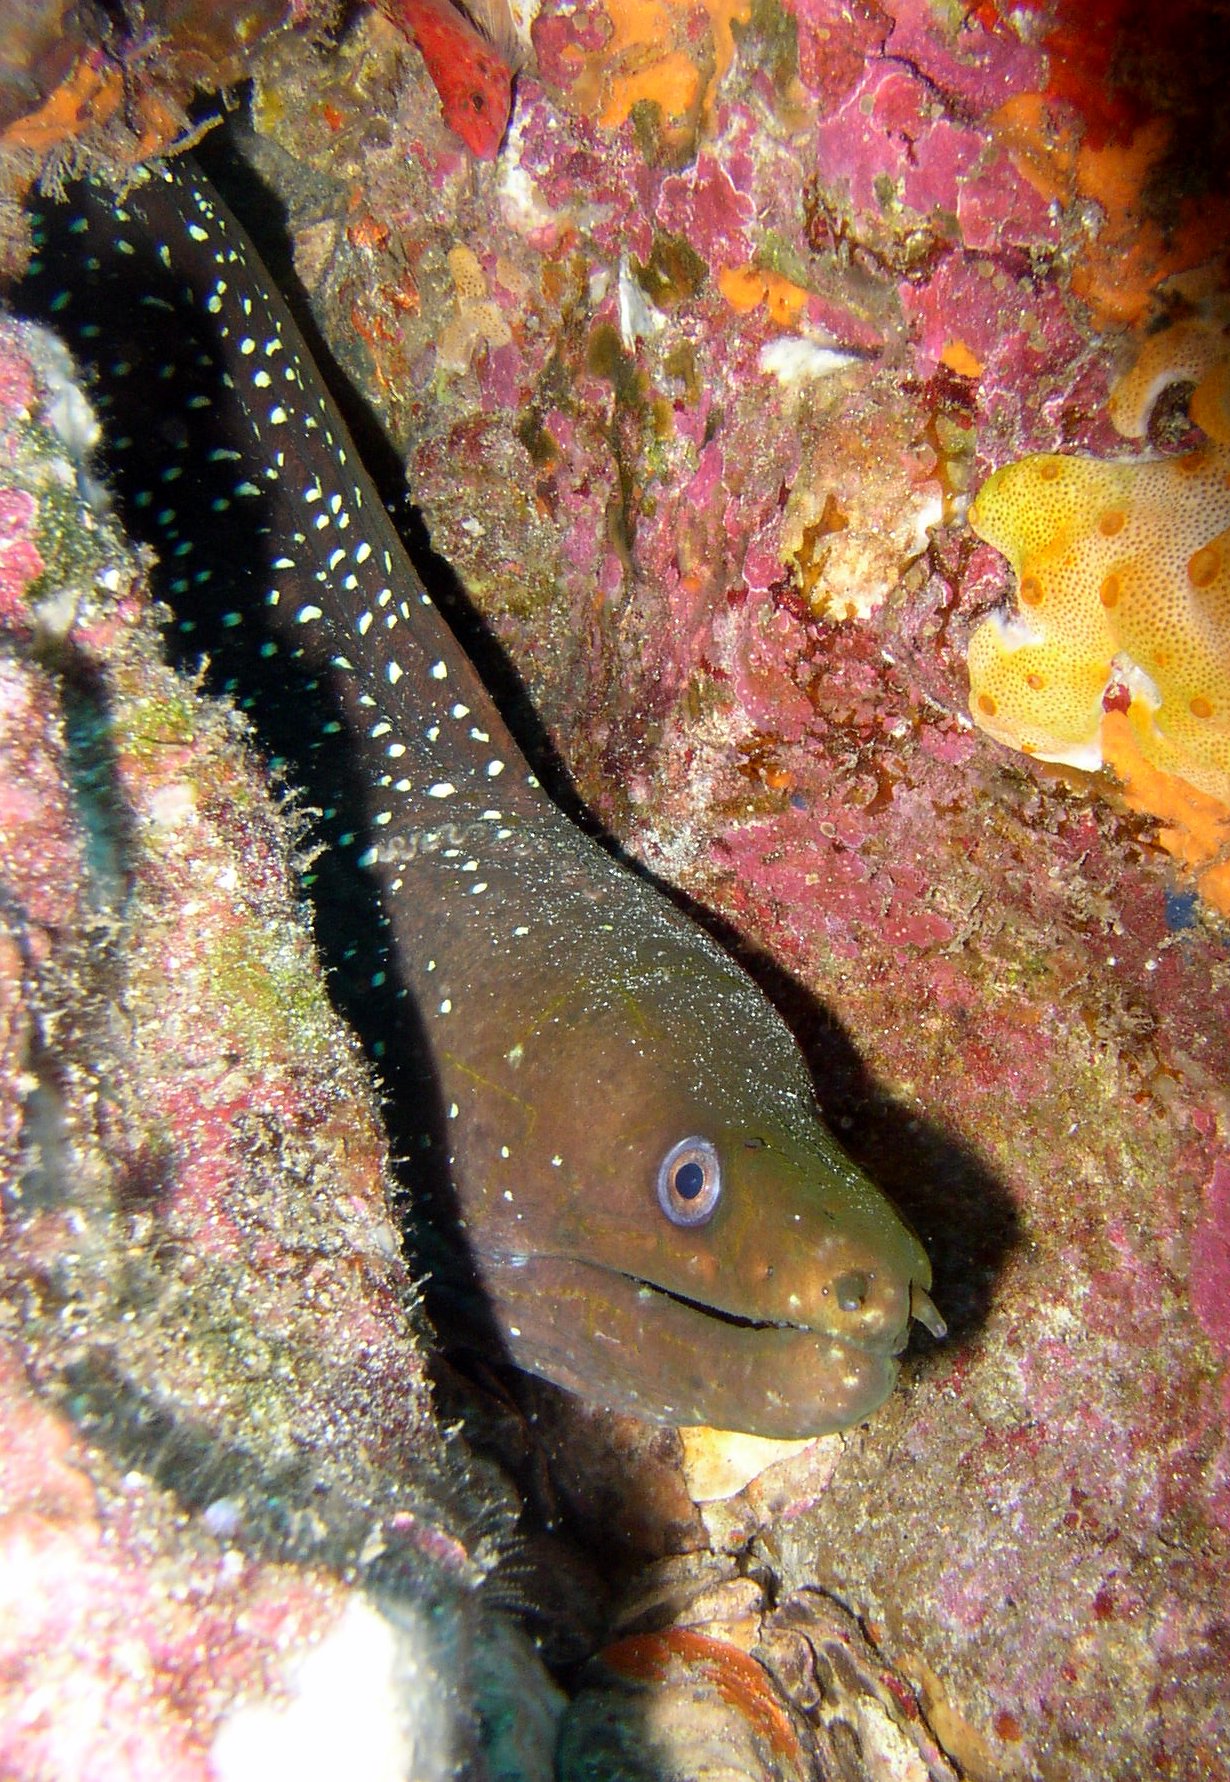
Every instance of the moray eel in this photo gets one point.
(657, 1215)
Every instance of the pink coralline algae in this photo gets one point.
(905, 148)
(1211, 1268)
(1210, 1292)
(20, 563)
(118, 1659)
(16, 391)
(711, 207)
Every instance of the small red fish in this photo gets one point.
(472, 74)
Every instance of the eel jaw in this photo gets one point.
(740, 1321)
(636, 1347)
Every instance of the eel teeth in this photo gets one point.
(924, 1308)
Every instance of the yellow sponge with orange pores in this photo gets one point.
(1123, 573)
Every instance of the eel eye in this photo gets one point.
(690, 1182)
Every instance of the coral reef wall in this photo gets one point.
(693, 387)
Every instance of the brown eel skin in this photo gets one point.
(657, 1215)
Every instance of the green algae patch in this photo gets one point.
(534, 436)
(607, 358)
(145, 727)
(272, 992)
(672, 274)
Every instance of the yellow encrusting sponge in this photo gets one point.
(1123, 576)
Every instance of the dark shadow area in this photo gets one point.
(173, 450)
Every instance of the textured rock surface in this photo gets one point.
(219, 1453)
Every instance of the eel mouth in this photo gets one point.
(627, 1343)
(923, 1310)
(737, 1319)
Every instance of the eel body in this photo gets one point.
(656, 1213)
